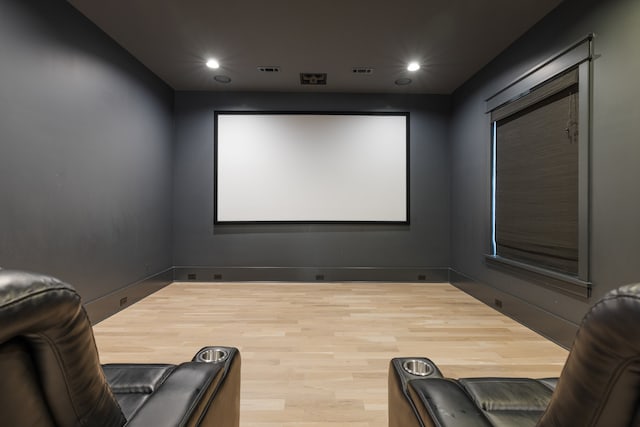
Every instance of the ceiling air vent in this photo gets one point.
(362, 70)
(313, 78)
(269, 69)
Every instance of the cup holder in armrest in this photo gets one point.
(418, 367)
(407, 369)
(212, 355)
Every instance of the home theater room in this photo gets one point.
(419, 213)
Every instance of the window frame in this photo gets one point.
(579, 56)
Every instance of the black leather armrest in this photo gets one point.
(443, 403)
(195, 393)
(182, 398)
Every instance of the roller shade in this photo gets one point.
(537, 176)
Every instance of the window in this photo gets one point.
(540, 171)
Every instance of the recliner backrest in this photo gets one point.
(49, 357)
(600, 382)
(22, 399)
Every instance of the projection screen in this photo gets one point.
(311, 167)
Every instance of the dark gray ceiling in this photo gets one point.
(452, 39)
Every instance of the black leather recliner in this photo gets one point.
(599, 385)
(51, 375)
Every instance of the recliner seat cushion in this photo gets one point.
(509, 401)
(481, 402)
(132, 384)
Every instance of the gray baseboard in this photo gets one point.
(101, 308)
(310, 274)
(556, 329)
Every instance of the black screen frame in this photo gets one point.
(404, 114)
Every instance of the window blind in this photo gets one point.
(537, 176)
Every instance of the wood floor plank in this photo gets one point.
(317, 354)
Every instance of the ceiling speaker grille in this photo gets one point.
(313, 78)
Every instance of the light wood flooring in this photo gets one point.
(317, 354)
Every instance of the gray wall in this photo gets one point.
(88, 138)
(615, 152)
(85, 152)
(423, 243)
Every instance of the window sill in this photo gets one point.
(564, 283)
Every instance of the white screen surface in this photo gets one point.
(311, 167)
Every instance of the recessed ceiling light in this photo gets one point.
(403, 81)
(222, 79)
(212, 63)
(413, 66)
